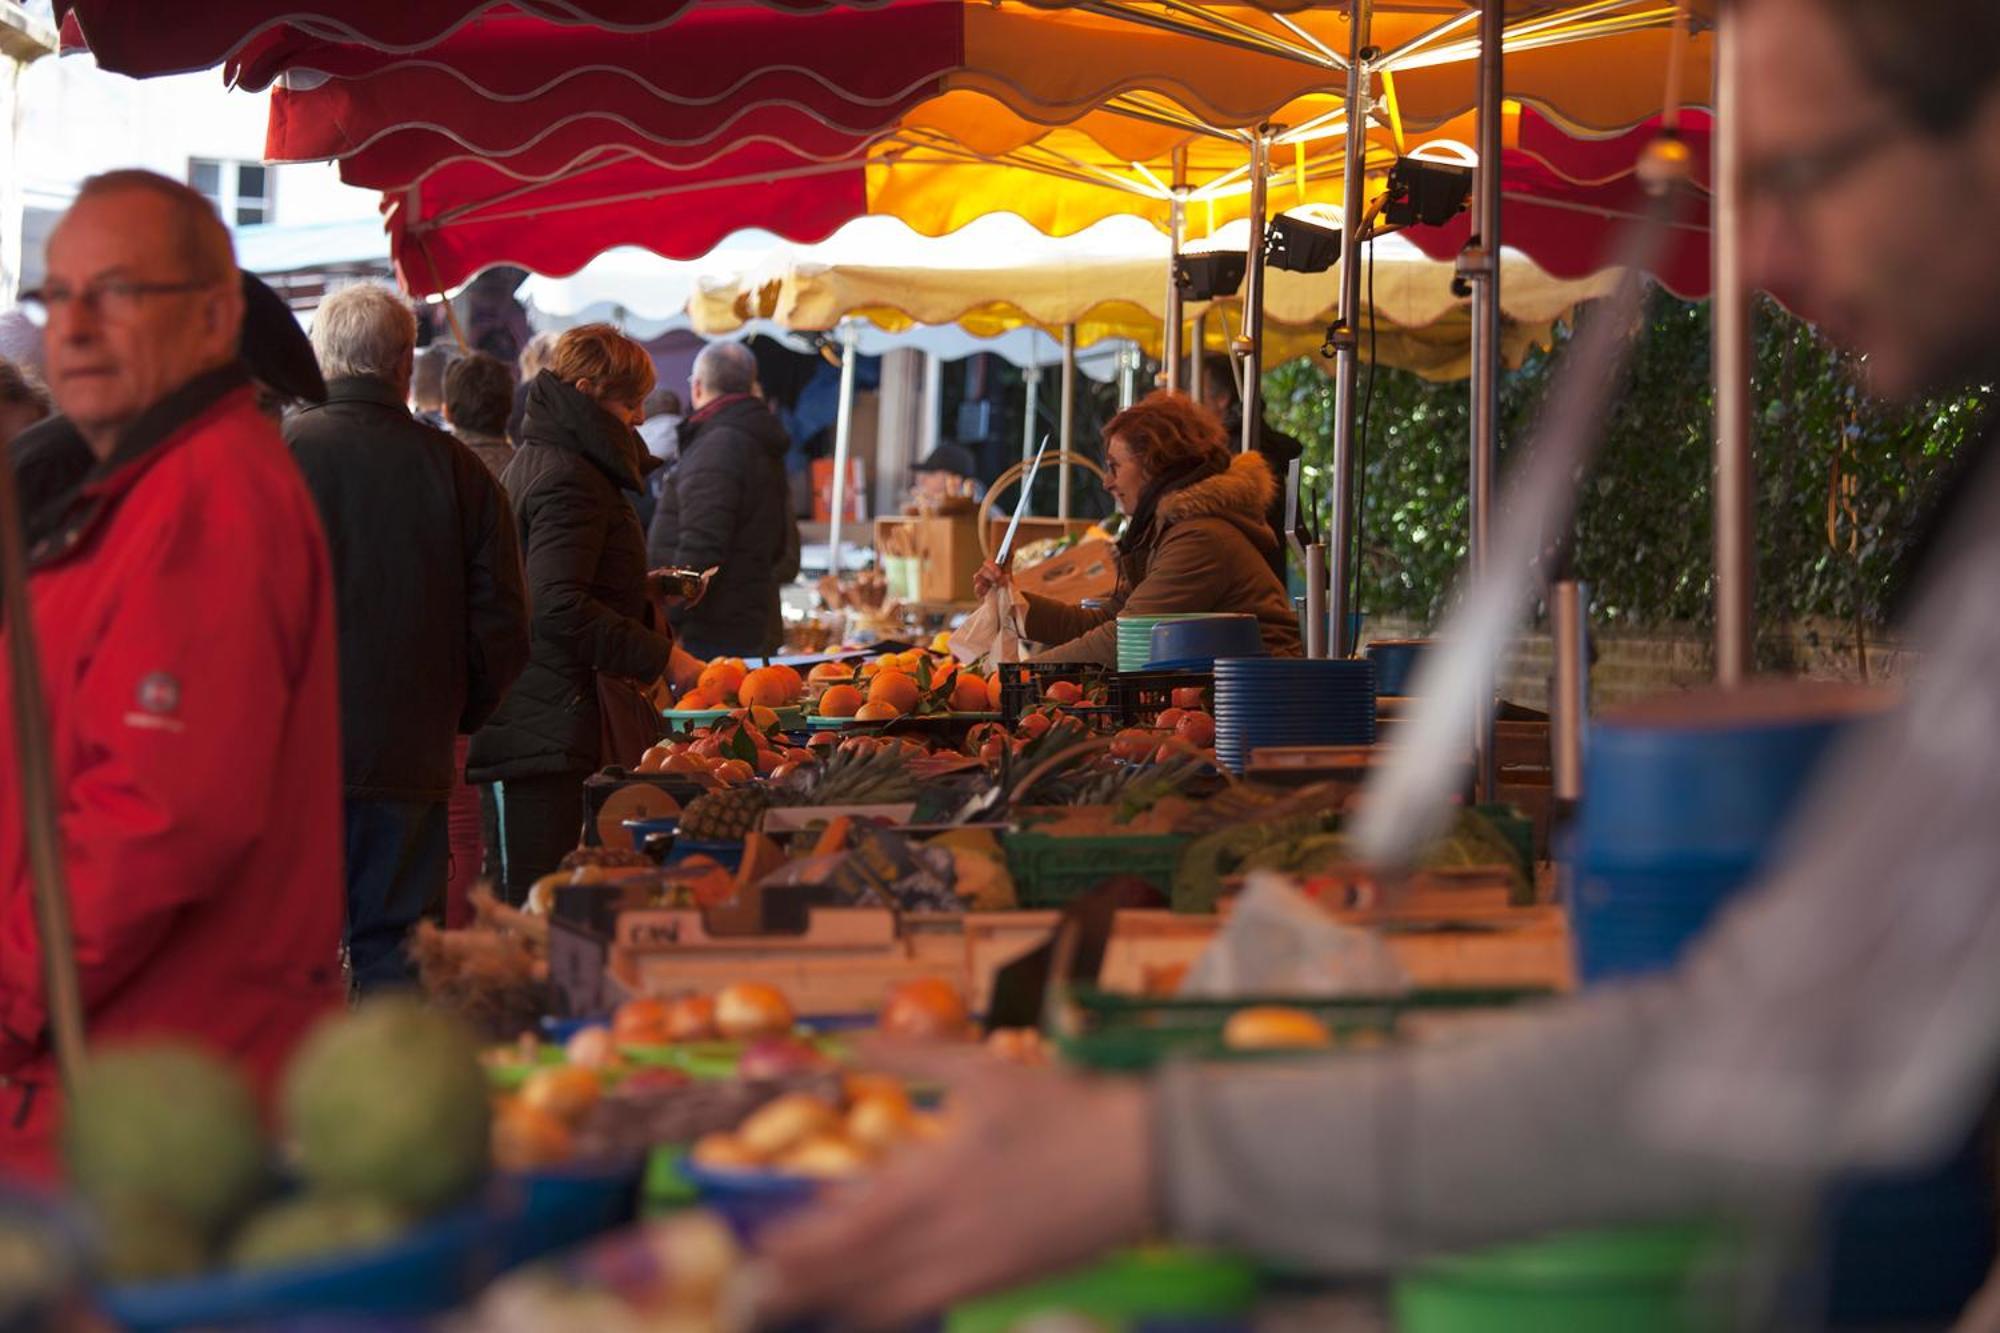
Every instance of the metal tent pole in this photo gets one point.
(1068, 417)
(1197, 358)
(1170, 348)
(843, 443)
(34, 762)
(1482, 265)
(1128, 376)
(1735, 470)
(1347, 348)
(1032, 376)
(1249, 346)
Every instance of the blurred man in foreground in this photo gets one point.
(184, 611)
(1845, 1017)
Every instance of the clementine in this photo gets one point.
(877, 712)
(993, 691)
(721, 678)
(771, 687)
(697, 699)
(839, 701)
(832, 673)
(894, 689)
(969, 694)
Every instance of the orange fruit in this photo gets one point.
(877, 712)
(993, 692)
(840, 701)
(871, 667)
(770, 687)
(833, 673)
(798, 682)
(894, 689)
(698, 698)
(721, 678)
(969, 694)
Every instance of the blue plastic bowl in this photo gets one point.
(1231, 635)
(729, 855)
(749, 1201)
(641, 829)
(429, 1270)
(563, 1206)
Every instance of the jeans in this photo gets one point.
(541, 821)
(396, 857)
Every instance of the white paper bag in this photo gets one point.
(1277, 941)
(993, 632)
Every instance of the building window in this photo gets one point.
(243, 192)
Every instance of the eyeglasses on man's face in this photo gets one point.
(113, 299)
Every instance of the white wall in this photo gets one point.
(77, 120)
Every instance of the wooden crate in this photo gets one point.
(944, 550)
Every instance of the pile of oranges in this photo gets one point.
(893, 686)
(728, 683)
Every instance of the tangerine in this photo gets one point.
(877, 712)
(832, 673)
(840, 701)
(993, 691)
(698, 699)
(969, 694)
(894, 689)
(770, 687)
(721, 678)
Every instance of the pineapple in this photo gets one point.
(724, 816)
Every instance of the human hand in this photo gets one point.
(989, 577)
(1039, 1171)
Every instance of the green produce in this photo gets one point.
(389, 1103)
(302, 1229)
(143, 1241)
(724, 816)
(165, 1128)
(855, 777)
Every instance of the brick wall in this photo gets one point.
(1633, 664)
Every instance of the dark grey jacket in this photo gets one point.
(431, 612)
(570, 485)
(728, 505)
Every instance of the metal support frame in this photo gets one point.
(1170, 347)
(1569, 704)
(1197, 358)
(34, 762)
(1347, 349)
(1481, 264)
(1068, 417)
(1031, 376)
(1735, 477)
(1250, 343)
(843, 444)
(1128, 375)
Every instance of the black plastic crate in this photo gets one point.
(1141, 696)
(1023, 686)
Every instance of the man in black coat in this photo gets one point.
(728, 506)
(1220, 391)
(432, 616)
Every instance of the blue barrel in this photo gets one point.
(1396, 663)
(1684, 800)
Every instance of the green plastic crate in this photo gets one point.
(1680, 1278)
(1132, 1034)
(1053, 871)
(1138, 1285)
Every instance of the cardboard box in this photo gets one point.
(936, 556)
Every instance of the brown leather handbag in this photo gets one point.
(628, 722)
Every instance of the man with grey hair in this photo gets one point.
(183, 605)
(432, 614)
(727, 506)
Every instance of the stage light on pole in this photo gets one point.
(1427, 192)
(1212, 273)
(1298, 246)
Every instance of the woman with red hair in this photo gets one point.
(1196, 537)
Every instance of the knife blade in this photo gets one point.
(1006, 551)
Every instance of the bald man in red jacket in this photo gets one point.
(184, 610)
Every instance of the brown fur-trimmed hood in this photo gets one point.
(1244, 491)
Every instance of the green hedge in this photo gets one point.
(1645, 524)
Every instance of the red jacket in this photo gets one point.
(184, 609)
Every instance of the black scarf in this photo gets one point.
(1139, 533)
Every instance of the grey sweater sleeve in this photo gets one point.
(1844, 1015)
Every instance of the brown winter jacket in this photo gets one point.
(1211, 553)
